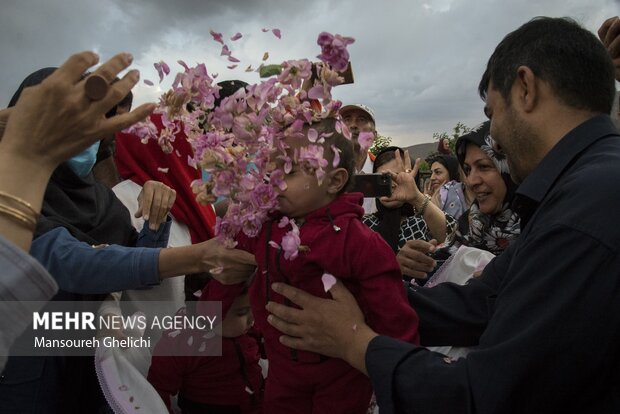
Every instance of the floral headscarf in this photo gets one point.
(476, 229)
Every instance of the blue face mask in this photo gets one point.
(83, 163)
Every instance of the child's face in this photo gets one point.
(303, 193)
(239, 318)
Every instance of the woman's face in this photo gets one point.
(439, 176)
(484, 180)
(395, 167)
(446, 144)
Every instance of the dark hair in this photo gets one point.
(33, 79)
(449, 162)
(571, 59)
(343, 144)
(440, 148)
(229, 87)
(193, 283)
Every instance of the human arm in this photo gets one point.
(78, 267)
(547, 329)
(609, 33)
(23, 282)
(407, 191)
(52, 122)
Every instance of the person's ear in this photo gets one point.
(525, 90)
(337, 180)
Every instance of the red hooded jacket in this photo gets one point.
(232, 379)
(355, 254)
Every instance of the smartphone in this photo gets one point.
(372, 185)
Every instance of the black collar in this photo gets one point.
(540, 181)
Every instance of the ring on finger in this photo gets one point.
(96, 87)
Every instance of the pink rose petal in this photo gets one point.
(148, 82)
(216, 36)
(225, 51)
(277, 33)
(232, 66)
(237, 36)
(264, 30)
(328, 281)
(233, 59)
(198, 293)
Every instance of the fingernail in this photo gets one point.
(146, 217)
(135, 75)
(128, 58)
(270, 318)
(275, 286)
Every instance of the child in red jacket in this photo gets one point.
(230, 383)
(326, 235)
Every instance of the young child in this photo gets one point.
(335, 241)
(230, 383)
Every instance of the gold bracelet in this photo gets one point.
(420, 212)
(20, 201)
(14, 213)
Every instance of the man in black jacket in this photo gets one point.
(545, 315)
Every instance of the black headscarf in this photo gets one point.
(476, 229)
(89, 210)
(389, 218)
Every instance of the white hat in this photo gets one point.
(361, 107)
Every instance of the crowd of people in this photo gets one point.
(356, 317)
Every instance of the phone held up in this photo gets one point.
(372, 185)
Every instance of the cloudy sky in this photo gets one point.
(417, 63)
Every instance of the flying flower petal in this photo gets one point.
(231, 66)
(216, 36)
(225, 51)
(365, 139)
(312, 135)
(328, 281)
(249, 69)
(148, 82)
(336, 156)
(265, 56)
(264, 30)
(237, 36)
(233, 59)
(277, 33)
(162, 69)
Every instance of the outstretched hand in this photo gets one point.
(55, 120)
(333, 327)
(405, 190)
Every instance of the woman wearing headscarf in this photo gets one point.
(85, 240)
(489, 224)
(446, 189)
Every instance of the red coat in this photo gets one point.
(209, 380)
(355, 254)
